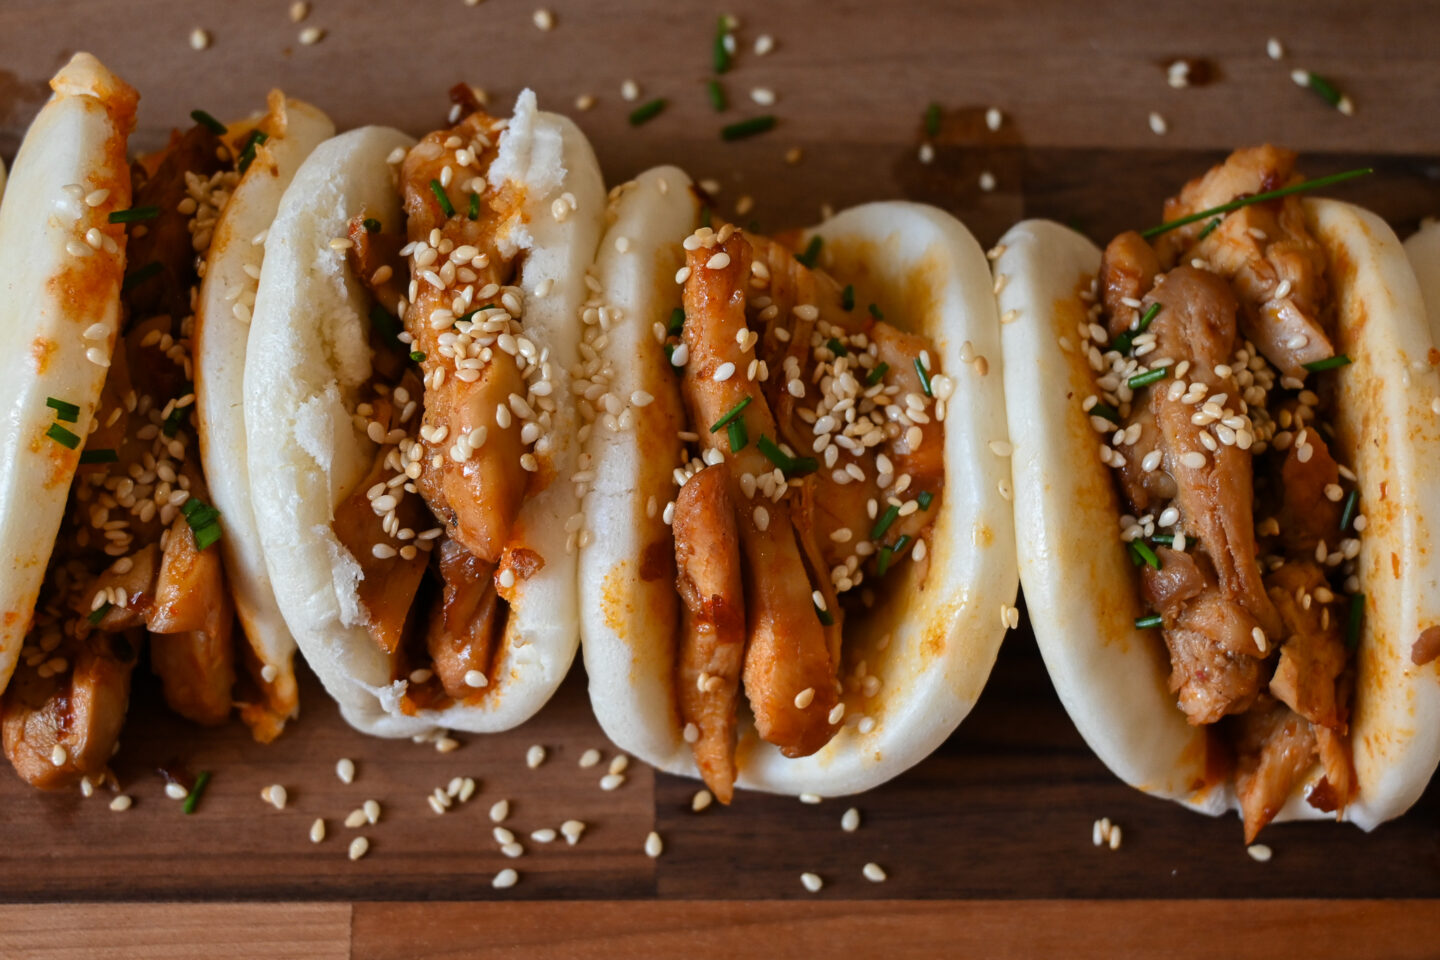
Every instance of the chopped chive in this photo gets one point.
(102, 455)
(383, 322)
(812, 251)
(174, 420)
(1107, 412)
(204, 521)
(875, 312)
(739, 439)
(1140, 550)
(372, 225)
(440, 196)
(825, 618)
(1324, 88)
(1353, 623)
(99, 612)
(141, 275)
(789, 466)
(647, 111)
(247, 153)
(670, 353)
(1347, 512)
(717, 95)
(62, 436)
(735, 411)
(877, 373)
(932, 120)
(1257, 198)
(882, 562)
(722, 52)
(677, 322)
(847, 297)
(1145, 623)
(902, 543)
(1329, 363)
(474, 205)
(836, 347)
(1147, 317)
(1145, 379)
(748, 128)
(209, 122)
(924, 377)
(705, 216)
(1126, 340)
(1209, 229)
(891, 514)
(416, 356)
(135, 214)
(924, 498)
(64, 409)
(193, 798)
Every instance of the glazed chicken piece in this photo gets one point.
(190, 626)
(1274, 747)
(1307, 515)
(1313, 655)
(477, 497)
(1196, 322)
(1265, 250)
(712, 635)
(788, 656)
(1142, 487)
(466, 623)
(1127, 272)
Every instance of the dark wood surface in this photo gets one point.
(1002, 813)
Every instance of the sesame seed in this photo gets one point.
(837, 713)
(311, 36)
(545, 835)
(620, 764)
(630, 90)
(927, 155)
(762, 519)
(994, 118)
(590, 757)
(987, 181)
(499, 810)
(1259, 852)
(850, 822)
(611, 781)
(724, 372)
(811, 882)
(512, 849)
(475, 679)
(502, 836)
(764, 44)
(691, 733)
(278, 796)
(1301, 77)
(269, 673)
(173, 790)
(1001, 448)
(1258, 635)
(1283, 290)
(701, 800)
(355, 819)
(317, 830)
(544, 19)
(654, 846)
(505, 879)
(1194, 459)
(571, 830)
(372, 811)
(1274, 49)
(359, 847)
(794, 155)
(345, 770)
(121, 803)
(804, 698)
(584, 102)
(763, 96)
(809, 798)
(299, 10)
(534, 756)
(199, 39)
(719, 261)
(1158, 126)
(1115, 836)
(873, 872)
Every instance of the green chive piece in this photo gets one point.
(748, 128)
(670, 353)
(141, 275)
(247, 153)
(1107, 412)
(847, 297)
(1141, 550)
(812, 251)
(135, 214)
(372, 225)
(877, 373)
(705, 216)
(1145, 623)
(1209, 229)
(902, 543)
(474, 205)
(722, 52)
(888, 518)
(1329, 363)
(192, 799)
(440, 196)
(836, 347)
(387, 325)
(99, 613)
(647, 111)
(734, 412)
(882, 562)
(416, 356)
(1147, 317)
(62, 436)
(789, 466)
(875, 312)
(717, 95)
(64, 409)
(1257, 198)
(932, 120)
(924, 377)
(172, 423)
(825, 617)
(1145, 379)
(102, 455)
(677, 322)
(1347, 512)
(1355, 621)
(209, 122)
(924, 498)
(1324, 88)
(738, 437)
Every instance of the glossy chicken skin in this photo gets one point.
(465, 625)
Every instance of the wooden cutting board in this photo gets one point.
(987, 845)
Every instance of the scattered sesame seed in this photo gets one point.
(1274, 49)
(1259, 852)
(359, 847)
(590, 757)
(1158, 126)
(764, 44)
(794, 155)
(355, 819)
(174, 791)
(654, 846)
(620, 764)
(584, 102)
(311, 36)
(446, 744)
(804, 698)
(572, 829)
(512, 850)
(534, 756)
(545, 835)
(873, 872)
(611, 781)
(278, 796)
(345, 770)
(499, 810)
(544, 19)
(502, 836)
(927, 154)
(475, 679)
(1115, 836)
(987, 181)
(630, 90)
(763, 96)
(299, 10)
(199, 39)
(994, 118)
(701, 800)
(811, 882)
(121, 803)
(505, 879)
(371, 809)
(718, 261)
(850, 822)
(1301, 77)
(810, 798)
(317, 830)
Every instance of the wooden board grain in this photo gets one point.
(1002, 811)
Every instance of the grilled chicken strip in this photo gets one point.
(1127, 272)
(466, 623)
(1313, 656)
(1274, 748)
(190, 627)
(790, 677)
(712, 635)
